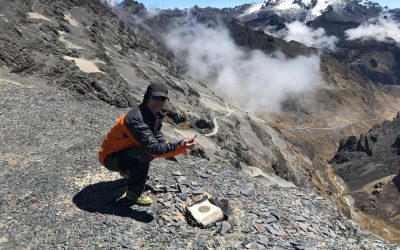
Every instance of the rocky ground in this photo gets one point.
(55, 194)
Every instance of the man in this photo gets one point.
(135, 140)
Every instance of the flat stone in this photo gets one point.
(302, 226)
(299, 246)
(312, 234)
(300, 218)
(171, 189)
(276, 215)
(177, 173)
(168, 203)
(311, 229)
(204, 176)
(181, 188)
(225, 227)
(271, 219)
(205, 213)
(181, 179)
(159, 188)
(247, 230)
(270, 229)
(259, 228)
(232, 192)
(180, 208)
(198, 191)
(246, 191)
(167, 196)
(250, 245)
(332, 234)
(263, 240)
(183, 196)
(174, 224)
(276, 226)
(341, 226)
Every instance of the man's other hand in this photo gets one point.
(189, 143)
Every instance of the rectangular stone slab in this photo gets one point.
(205, 213)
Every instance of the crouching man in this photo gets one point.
(136, 139)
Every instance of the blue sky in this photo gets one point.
(225, 3)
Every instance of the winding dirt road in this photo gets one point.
(215, 120)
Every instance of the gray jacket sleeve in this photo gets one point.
(151, 143)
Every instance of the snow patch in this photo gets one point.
(253, 8)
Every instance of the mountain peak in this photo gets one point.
(110, 3)
(311, 9)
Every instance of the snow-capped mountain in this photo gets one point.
(305, 10)
(109, 2)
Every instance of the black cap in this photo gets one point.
(157, 89)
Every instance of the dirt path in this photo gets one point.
(330, 128)
(216, 126)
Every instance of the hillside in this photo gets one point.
(55, 194)
(370, 167)
(68, 70)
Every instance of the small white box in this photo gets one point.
(206, 213)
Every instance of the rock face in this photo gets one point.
(370, 166)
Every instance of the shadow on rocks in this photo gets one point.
(103, 197)
(396, 181)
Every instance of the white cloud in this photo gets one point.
(383, 28)
(249, 79)
(300, 32)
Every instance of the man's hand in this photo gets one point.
(189, 143)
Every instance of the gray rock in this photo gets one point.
(225, 227)
(263, 240)
(300, 218)
(167, 196)
(172, 189)
(197, 191)
(177, 173)
(276, 215)
(181, 179)
(246, 191)
(183, 196)
(270, 229)
(271, 219)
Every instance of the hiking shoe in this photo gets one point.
(124, 173)
(142, 200)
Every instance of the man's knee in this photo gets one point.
(111, 163)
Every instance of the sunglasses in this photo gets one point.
(159, 98)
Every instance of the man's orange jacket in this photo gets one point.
(139, 128)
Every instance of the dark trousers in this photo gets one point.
(134, 160)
